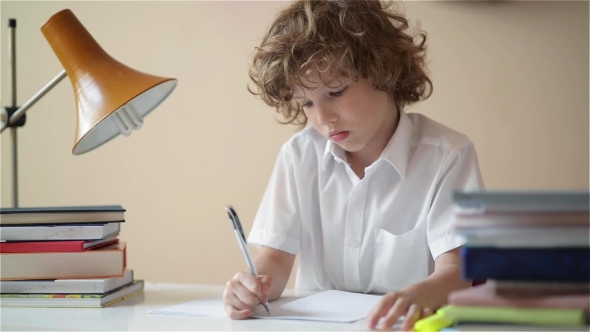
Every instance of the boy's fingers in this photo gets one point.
(380, 310)
(232, 299)
(399, 308)
(239, 296)
(412, 316)
(252, 284)
(246, 296)
(266, 282)
(426, 312)
(234, 313)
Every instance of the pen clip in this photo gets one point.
(233, 216)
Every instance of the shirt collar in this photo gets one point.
(334, 151)
(396, 151)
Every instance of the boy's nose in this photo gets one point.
(325, 115)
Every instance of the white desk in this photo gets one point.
(132, 314)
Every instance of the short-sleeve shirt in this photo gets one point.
(372, 235)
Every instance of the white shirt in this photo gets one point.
(371, 235)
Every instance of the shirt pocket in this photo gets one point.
(400, 260)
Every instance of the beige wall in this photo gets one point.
(512, 76)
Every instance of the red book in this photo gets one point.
(54, 246)
(485, 295)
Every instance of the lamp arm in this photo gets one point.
(21, 111)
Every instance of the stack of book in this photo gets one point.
(64, 257)
(532, 249)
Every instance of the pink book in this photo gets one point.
(54, 246)
(485, 295)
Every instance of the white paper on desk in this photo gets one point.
(326, 306)
(206, 307)
(212, 307)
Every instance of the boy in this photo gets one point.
(363, 194)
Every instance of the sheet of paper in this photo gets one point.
(327, 306)
(206, 307)
(212, 307)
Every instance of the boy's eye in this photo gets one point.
(306, 104)
(338, 93)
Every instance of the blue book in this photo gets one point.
(540, 264)
(522, 201)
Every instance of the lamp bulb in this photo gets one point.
(127, 119)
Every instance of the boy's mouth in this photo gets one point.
(338, 136)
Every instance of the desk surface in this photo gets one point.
(132, 314)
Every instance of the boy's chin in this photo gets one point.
(349, 147)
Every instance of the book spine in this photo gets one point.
(42, 246)
(562, 264)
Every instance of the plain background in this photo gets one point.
(512, 76)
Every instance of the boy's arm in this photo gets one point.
(423, 298)
(278, 265)
(446, 278)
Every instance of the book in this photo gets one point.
(485, 295)
(59, 232)
(54, 246)
(450, 314)
(522, 201)
(539, 288)
(539, 264)
(61, 215)
(63, 286)
(470, 327)
(525, 237)
(72, 300)
(103, 262)
(531, 219)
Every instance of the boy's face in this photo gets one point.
(353, 114)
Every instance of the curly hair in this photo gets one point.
(363, 35)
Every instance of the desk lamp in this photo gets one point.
(111, 98)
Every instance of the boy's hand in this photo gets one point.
(397, 304)
(243, 292)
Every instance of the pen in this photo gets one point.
(233, 216)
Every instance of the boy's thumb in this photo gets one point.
(266, 280)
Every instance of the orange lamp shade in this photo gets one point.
(111, 98)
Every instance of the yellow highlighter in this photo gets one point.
(447, 315)
(435, 322)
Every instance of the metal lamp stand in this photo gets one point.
(14, 116)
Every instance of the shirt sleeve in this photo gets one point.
(459, 172)
(278, 222)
